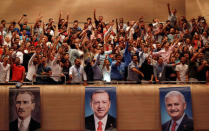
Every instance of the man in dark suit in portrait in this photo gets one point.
(25, 104)
(100, 120)
(175, 105)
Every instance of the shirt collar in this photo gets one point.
(26, 122)
(178, 122)
(103, 120)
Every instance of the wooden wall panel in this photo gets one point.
(62, 107)
(195, 8)
(82, 9)
(4, 105)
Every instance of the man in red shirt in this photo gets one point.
(18, 71)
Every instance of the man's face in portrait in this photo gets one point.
(100, 104)
(24, 105)
(175, 107)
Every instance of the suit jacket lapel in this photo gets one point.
(183, 125)
(16, 125)
(169, 124)
(92, 123)
(109, 123)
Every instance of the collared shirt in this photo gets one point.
(104, 121)
(74, 53)
(127, 55)
(25, 123)
(133, 76)
(117, 71)
(165, 54)
(5, 72)
(177, 123)
(32, 69)
(97, 70)
(106, 74)
(102, 57)
(56, 69)
(142, 57)
(78, 74)
(182, 69)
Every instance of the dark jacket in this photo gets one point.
(90, 123)
(33, 125)
(186, 125)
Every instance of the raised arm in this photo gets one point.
(31, 59)
(37, 20)
(19, 21)
(117, 25)
(95, 19)
(97, 60)
(67, 19)
(60, 16)
(169, 10)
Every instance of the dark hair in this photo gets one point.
(3, 21)
(75, 21)
(26, 92)
(100, 91)
(133, 56)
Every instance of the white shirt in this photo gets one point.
(78, 74)
(5, 72)
(182, 69)
(132, 30)
(104, 121)
(8, 44)
(106, 74)
(56, 69)
(20, 55)
(25, 123)
(177, 123)
(142, 57)
(31, 68)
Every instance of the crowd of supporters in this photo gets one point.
(175, 50)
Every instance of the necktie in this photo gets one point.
(173, 126)
(99, 126)
(22, 128)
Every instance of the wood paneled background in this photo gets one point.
(82, 9)
(62, 107)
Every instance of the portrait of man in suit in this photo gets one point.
(100, 120)
(175, 106)
(24, 104)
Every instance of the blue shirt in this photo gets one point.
(117, 72)
(127, 56)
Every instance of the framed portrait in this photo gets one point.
(100, 109)
(24, 109)
(176, 109)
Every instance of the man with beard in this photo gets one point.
(44, 72)
(182, 71)
(77, 74)
(134, 74)
(100, 120)
(57, 67)
(25, 104)
(176, 105)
